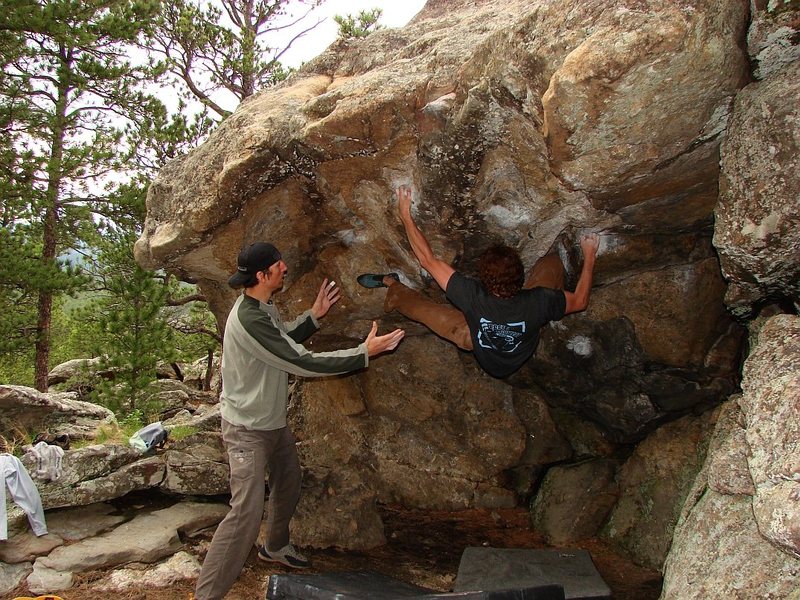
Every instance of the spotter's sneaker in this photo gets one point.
(286, 556)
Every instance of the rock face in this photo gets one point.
(147, 538)
(513, 121)
(758, 216)
(653, 484)
(738, 534)
(772, 38)
(530, 123)
(574, 501)
(420, 445)
(770, 403)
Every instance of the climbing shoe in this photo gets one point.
(375, 280)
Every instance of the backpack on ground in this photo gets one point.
(148, 437)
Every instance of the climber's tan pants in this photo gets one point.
(447, 321)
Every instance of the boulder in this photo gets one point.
(148, 537)
(197, 465)
(727, 468)
(544, 442)
(11, 575)
(26, 409)
(77, 368)
(202, 418)
(181, 566)
(653, 484)
(338, 510)
(574, 501)
(80, 373)
(718, 552)
(422, 440)
(25, 547)
(770, 404)
(98, 473)
(521, 122)
(772, 37)
(737, 532)
(757, 225)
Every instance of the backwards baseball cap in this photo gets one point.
(252, 259)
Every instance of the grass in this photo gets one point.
(181, 431)
(121, 433)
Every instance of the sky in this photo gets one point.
(396, 13)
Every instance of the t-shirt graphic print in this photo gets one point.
(500, 337)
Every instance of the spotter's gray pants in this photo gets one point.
(250, 453)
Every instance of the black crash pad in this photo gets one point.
(366, 585)
(499, 568)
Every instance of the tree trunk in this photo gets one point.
(50, 221)
(42, 364)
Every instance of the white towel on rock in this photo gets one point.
(48, 461)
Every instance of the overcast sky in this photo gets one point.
(396, 13)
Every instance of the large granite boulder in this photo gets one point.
(738, 535)
(574, 501)
(771, 403)
(97, 473)
(653, 484)
(515, 121)
(424, 446)
(757, 229)
(772, 39)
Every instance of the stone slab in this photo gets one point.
(75, 524)
(147, 538)
(504, 568)
(11, 575)
(25, 547)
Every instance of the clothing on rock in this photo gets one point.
(23, 492)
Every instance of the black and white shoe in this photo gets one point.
(286, 556)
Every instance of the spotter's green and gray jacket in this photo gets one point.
(259, 353)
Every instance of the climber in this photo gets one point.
(260, 353)
(497, 318)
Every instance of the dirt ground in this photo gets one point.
(424, 548)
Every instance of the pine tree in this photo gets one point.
(223, 47)
(360, 25)
(66, 84)
(133, 336)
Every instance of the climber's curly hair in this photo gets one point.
(501, 272)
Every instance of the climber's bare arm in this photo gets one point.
(438, 269)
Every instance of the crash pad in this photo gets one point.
(367, 585)
(484, 569)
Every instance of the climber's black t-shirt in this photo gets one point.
(504, 331)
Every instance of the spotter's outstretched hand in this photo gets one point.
(377, 344)
(327, 296)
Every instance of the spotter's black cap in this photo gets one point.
(252, 259)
